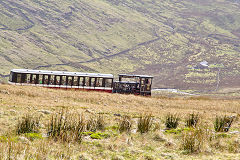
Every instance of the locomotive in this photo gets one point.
(125, 84)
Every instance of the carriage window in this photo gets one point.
(63, 82)
(89, 81)
(149, 81)
(108, 82)
(46, 79)
(148, 84)
(69, 81)
(13, 77)
(93, 82)
(86, 81)
(18, 78)
(37, 79)
(31, 78)
(78, 81)
(57, 80)
(34, 79)
(51, 79)
(75, 81)
(40, 79)
(99, 82)
(142, 83)
(43, 79)
(83, 81)
(23, 78)
(28, 78)
(103, 82)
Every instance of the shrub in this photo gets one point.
(144, 123)
(192, 120)
(171, 121)
(193, 140)
(28, 124)
(66, 127)
(125, 124)
(223, 124)
(156, 126)
(100, 122)
(91, 125)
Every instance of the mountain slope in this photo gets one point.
(162, 38)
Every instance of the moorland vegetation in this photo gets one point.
(41, 123)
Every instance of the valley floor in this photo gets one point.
(107, 142)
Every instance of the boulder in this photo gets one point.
(45, 111)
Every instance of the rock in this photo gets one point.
(41, 125)
(129, 142)
(12, 111)
(4, 92)
(167, 156)
(89, 111)
(118, 157)
(159, 138)
(134, 130)
(44, 135)
(234, 132)
(84, 157)
(88, 138)
(24, 139)
(170, 144)
(117, 114)
(45, 111)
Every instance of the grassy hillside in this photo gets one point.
(163, 38)
(108, 142)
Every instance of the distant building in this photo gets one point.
(201, 65)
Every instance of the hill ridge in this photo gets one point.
(163, 38)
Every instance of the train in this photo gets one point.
(125, 83)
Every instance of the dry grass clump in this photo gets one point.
(100, 122)
(223, 123)
(91, 124)
(192, 120)
(66, 127)
(95, 123)
(171, 121)
(28, 124)
(144, 123)
(125, 124)
(193, 140)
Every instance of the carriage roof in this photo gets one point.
(133, 76)
(62, 73)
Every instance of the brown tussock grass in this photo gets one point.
(24, 99)
(17, 101)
